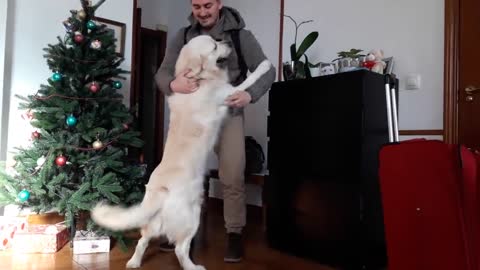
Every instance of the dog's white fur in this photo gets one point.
(172, 202)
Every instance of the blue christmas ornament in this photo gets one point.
(117, 84)
(24, 195)
(91, 25)
(71, 121)
(56, 76)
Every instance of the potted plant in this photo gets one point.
(296, 68)
(348, 60)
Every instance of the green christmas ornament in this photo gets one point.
(56, 76)
(71, 121)
(117, 84)
(24, 195)
(91, 25)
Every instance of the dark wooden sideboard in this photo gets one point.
(322, 194)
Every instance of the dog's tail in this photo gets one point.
(118, 218)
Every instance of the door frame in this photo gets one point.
(451, 71)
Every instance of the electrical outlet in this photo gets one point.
(413, 81)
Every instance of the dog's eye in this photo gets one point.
(221, 60)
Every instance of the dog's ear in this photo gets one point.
(188, 60)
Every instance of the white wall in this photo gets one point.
(155, 12)
(36, 24)
(3, 33)
(263, 19)
(409, 30)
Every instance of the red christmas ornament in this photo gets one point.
(125, 126)
(78, 38)
(27, 116)
(61, 161)
(94, 87)
(35, 135)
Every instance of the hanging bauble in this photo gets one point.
(40, 161)
(125, 126)
(56, 76)
(94, 87)
(117, 84)
(24, 195)
(69, 26)
(71, 120)
(78, 38)
(36, 135)
(91, 25)
(61, 161)
(96, 44)
(81, 15)
(97, 145)
(28, 115)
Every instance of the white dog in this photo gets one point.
(174, 194)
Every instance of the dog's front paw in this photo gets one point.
(199, 267)
(133, 263)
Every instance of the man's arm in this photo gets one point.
(166, 73)
(253, 56)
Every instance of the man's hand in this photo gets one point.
(238, 99)
(184, 84)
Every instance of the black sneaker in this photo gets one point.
(167, 247)
(234, 252)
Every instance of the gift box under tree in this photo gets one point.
(9, 227)
(41, 239)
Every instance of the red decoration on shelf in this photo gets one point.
(368, 64)
(35, 135)
(61, 161)
(94, 87)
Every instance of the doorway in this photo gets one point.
(150, 46)
(462, 80)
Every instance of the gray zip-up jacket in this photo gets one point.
(253, 55)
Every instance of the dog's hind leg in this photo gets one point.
(182, 250)
(182, 247)
(136, 259)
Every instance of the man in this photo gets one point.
(223, 23)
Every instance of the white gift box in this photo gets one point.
(9, 227)
(86, 242)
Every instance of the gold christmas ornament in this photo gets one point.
(81, 15)
(97, 144)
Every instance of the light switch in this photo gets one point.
(413, 81)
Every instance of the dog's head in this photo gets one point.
(204, 56)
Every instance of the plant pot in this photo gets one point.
(293, 70)
(347, 64)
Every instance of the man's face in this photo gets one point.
(206, 12)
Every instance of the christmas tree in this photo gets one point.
(79, 150)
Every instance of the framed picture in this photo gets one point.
(389, 67)
(118, 30)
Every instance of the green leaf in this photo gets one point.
(306, 43)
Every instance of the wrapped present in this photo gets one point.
(86, 242)
(41, 239)
(9, 227)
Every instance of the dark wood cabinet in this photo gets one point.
(322, 194)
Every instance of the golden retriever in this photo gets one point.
(174, 194)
